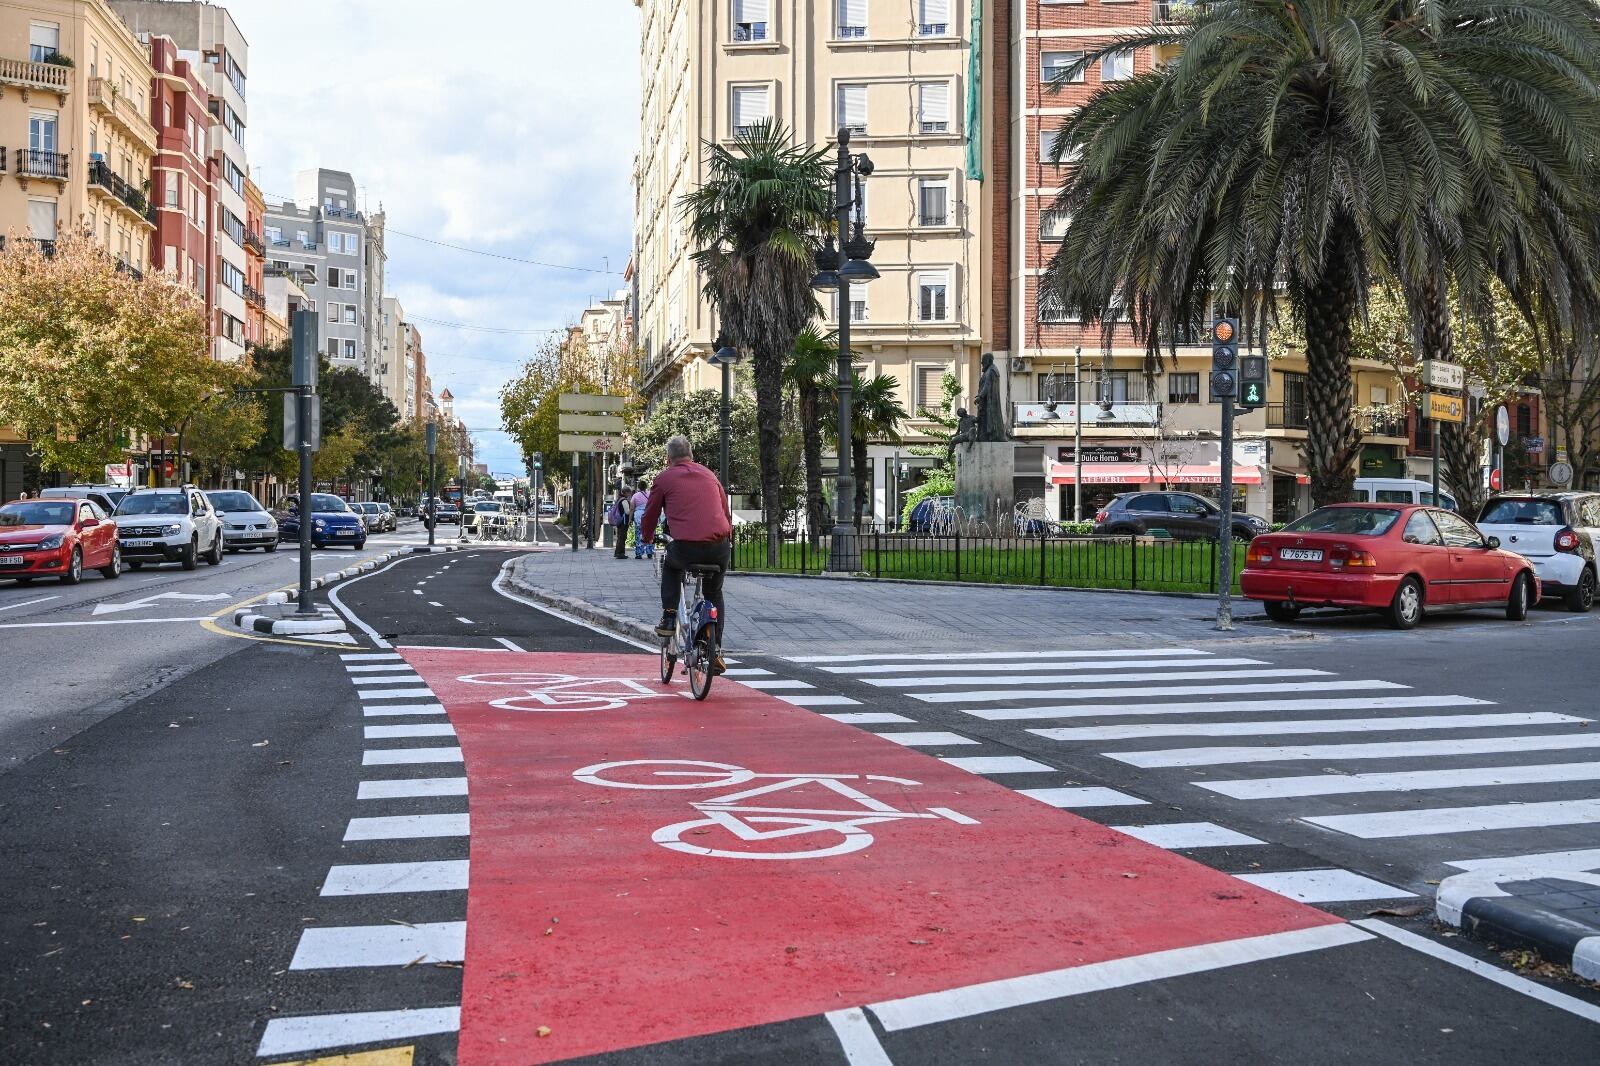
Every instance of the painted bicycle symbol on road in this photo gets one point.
(565, 692)
(835, 830)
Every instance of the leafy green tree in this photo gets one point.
(697, 416)
(1293, 150)
(876, 413)
(756, 222)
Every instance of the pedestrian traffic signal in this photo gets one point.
(1253, 381)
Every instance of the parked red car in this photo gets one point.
(57, 538)
(1400, 559)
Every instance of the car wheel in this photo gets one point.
(115, 569)
(191, 555)
(1279, 611)
(1406, 609)
(74, 572)
(1521, 598)
(214, 556)
(1581, 597)
(270, 548)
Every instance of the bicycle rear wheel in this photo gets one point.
(668, 660)
(697, 664)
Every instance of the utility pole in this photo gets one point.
(304, 351)
(431, 436)
(1077, 433)
(1224, 390)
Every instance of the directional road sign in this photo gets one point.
(584, 401)
(1442, 375)
(588, 442)
(1442, 408)
(609, 425)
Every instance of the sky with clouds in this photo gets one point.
(506, 125)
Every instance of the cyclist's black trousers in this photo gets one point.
(684, 553)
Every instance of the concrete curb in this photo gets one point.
(631, 628)
(1545, 914)
(250, 618)
(868, 578)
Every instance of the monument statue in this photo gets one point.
(966, 433)
(991, 415)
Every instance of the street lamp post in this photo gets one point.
(725, 356)
(837, 268)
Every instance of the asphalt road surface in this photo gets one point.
(891, 858)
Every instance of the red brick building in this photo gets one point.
(182, 172)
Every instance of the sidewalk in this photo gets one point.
(834, 615)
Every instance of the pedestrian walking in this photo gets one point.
(620, 516)
(641, 496)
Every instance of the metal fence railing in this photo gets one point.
(1066, 562)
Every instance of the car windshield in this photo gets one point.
(233, 501)
(322, 502)
(37, 514)
(1509, 511)
(1355, 521)
(487, 508)
(154, 503)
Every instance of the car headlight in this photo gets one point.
(172, 530)
(319, 523)
(52, 542)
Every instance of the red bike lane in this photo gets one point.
(624, 892)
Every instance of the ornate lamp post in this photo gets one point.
(725, 356)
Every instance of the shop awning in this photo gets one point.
(1101, 473)
(1299, 477)
(1210, 475)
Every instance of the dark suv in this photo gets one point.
(1185, 515)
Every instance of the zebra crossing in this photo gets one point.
(397, 907)
(1289, 759)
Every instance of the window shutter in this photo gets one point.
(853, 106)
(933, 205)
(930, 381)
(749, 105)
(935, 102)
(750, 11)
(935, 11)
(44, 36)
(852, 12)
(42, 219)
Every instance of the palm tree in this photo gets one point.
(1292, 150)
(810, 367)
(756, 223)
(876, 412)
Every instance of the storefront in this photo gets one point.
(1109, 470)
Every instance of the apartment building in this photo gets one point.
(208, 39)
(255, 257)
(182, 179)
(397, 358)
(285, 294)
(896, 73)
(427, 409)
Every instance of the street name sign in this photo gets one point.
(609, 425)
(1438, 374)
(590, 402)
(1442, 408)
(588, 442)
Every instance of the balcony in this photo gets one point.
(253, 241)
(122, 112)
(125, 267)
(30, 76)
(45, 246)
(1286, 415)
(1065, 414)
(104, 180)
(254, 296)
(281, 242)
(1170, 11)
(29, 163)
(1381, 423)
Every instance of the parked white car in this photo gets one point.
(1400, 490)
(168, 526)
(1557, 532)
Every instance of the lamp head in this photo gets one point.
(858, 271)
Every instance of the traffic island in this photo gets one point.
(280, 620)
(1553, 912)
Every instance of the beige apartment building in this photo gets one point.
(896, 73)
(395, 369)
(75, 142)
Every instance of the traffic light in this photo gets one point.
(1224, 359)
(1253, 382)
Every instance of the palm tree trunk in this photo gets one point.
(858, 457)
(769, 421)
(1332, 441)
(811, 442)
(1456, 440)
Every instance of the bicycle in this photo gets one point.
(695, 637)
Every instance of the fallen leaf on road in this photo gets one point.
(916, 941)
(1397, 912)
(261, 743)
(413, 962)
(139, 919)
(184, 984)
(543, 1030)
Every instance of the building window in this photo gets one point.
(42, 135)
(750, 20)
(44, 41)
(852, 108)
(933, 18)
(333, 312)
(1052, 64)
(1118, 66)
(1047, 149)
(333, 277)
(1524, 420)
(852, 18)
(174, 186)
(304, 238)
(350, 314)
(275, 234)
(749, 107)
(1380, 395)
(1053, 225)
(42, 219)
(933, 107)
(1051, 309)
(932, 297)
(933, 202)
(349, 279)
(333, 348)
(349, 349)
(930, 389)
(1183, 388)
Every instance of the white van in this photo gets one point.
(1400, 490)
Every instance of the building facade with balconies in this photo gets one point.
(181, 188)
(255, 257)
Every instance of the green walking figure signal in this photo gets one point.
(1253, 382)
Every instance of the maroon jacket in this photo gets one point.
(697, 508)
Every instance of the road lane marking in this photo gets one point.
(369, 656)
(1324, 886)
(435, 603)
(376, 709)
(409, 787)
(388, 679)
(777, 684)
(317, 1032)
(856, 1038)
(932, 1007)
(1391, 750)
(379, 878)
(510, 645)
(869, 718)
(505, 570)
(394, 694)
(926, 740)
(408, 827)
(343, 947)
(1079, 679)
(464, 621)
(1403, 781)
(997, 764)
(1175, 836)
(1585, 860)
(1082, 796)
(1308, 725)
(1533, 990)
(1036, 666)
(1154, 690)
(406, 756)
(1385, 824)
(748, 671)
(416, 592)
(1097, 710)
(817, 699)
(28, 603)
(417, 729)
(939, 657)
(376, 668)
(103, 622)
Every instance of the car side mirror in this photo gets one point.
(1412, 538)
(1492, 543)
(88, 523)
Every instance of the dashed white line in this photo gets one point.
(405, 756)
(1082, 796)
(869, 718)
(464, 621)
(406, 787)
(931, 739)
(378, 878)
(1324, 886)
(408, 827)
(1177, 835)
(510, 645)
(417, 729)
(316, 1032)
(997, 764)
(342, 947)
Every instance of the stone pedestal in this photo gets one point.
(984, 486)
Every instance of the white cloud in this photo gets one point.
(508, 125)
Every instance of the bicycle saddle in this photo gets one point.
(704, 568)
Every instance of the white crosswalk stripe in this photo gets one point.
(1108, 710)
(1083, 679)
(1390, 750)
(1309, 725)
(1115, 691)
(1031, 656)
(1462, 819)
(1404, 780)
(1039, 666)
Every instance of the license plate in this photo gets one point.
(137, 543)
(11, 560)
(1303, 555)
(346, 533)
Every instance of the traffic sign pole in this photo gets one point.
(1225, 388)
(304, 353)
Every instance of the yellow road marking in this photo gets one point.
(211, 625)
(393, 1056)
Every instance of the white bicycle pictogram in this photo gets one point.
(753, 824)
(565, 692)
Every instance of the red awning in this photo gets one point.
(1210, 475)
(1101, 473)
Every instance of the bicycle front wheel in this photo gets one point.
(698, 666)
(668, 660)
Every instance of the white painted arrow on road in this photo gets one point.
(147, 601)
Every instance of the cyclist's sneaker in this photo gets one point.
(717, 665)
(668, 624)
